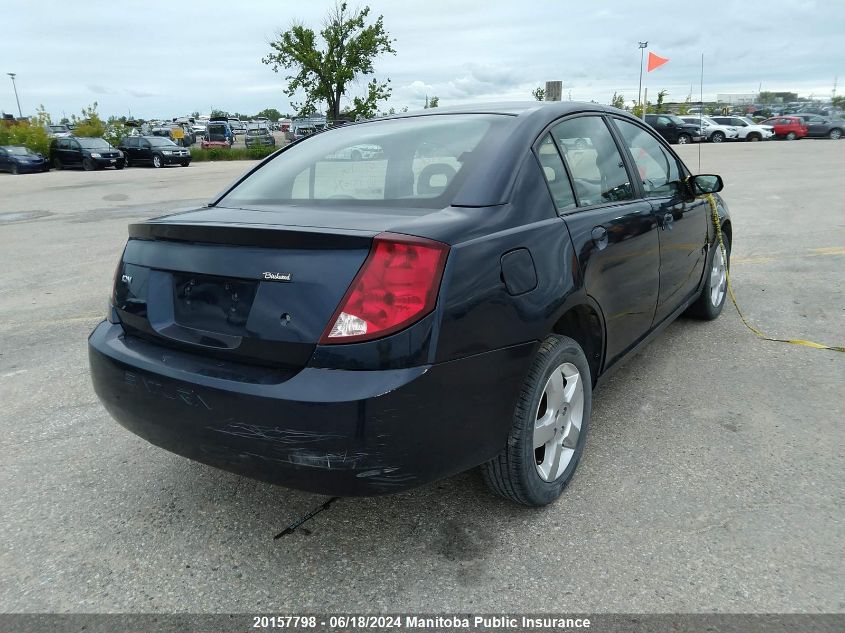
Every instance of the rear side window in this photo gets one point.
(555, 174)
(657, 168)
(409, 162)
(598, 172)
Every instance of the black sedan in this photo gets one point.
(86, 152)
(19, 160)
(357, 327)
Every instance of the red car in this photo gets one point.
(788, 127)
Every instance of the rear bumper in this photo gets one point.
(328, 431)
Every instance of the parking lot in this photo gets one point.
(712, 479)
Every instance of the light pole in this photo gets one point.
(643, 46)
(12, 75)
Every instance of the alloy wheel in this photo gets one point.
(683, 139)
(558, 420)
(156, 160)
(718, 278)
(717, 137)
(835, 134)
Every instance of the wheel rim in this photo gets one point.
(558, 420)
(156, 161)
(718, 279)
(717, 138)
(682, 140)
(791, 136)
(835, 134)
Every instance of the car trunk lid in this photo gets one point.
(259, 294)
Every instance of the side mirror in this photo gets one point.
(705, 183)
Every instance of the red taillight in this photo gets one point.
(396, 286)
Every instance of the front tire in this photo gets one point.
(753, 137)
(88, 164)
(14, 170)
(710, 302)
(157, 162)
(549, 429)
(835, 134)
(717, 137)
(684, 139)
(57, 163)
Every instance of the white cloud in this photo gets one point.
(459, 50)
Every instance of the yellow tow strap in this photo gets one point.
(795, 341)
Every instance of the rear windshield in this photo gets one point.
(411, 162)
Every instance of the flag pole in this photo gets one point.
(643, 46)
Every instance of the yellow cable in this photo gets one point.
(793, 341)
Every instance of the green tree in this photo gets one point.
(324, 70)
(90, 123)
(431, 102)
(660, 107)
(685, 106)
(618, 101)
(539, 93)
(270, 113)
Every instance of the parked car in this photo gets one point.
(819, 126)
(218, 134)
(674, 129)
(363, 335)
(713, 131)
(58, 131)
(788, 127)
(199, 129)
(298, 132)
(746, 128)
(154, 150)
(16, 159)
(238, 126)
(86, 152)
(259, 135)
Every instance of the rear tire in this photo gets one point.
(791, 136)
(57, 163)
(553, 410)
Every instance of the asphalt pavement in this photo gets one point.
(712, 479)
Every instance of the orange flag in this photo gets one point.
(655, 61)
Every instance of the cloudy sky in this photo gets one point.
(167, 58)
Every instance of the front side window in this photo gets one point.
(407, 162)
(598, 172)
(658, 170)
(555, 173)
